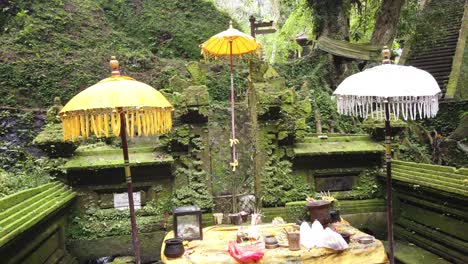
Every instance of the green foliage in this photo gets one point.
(98, 223)
(412, 148)
(17, 127)
(312, 75)
(362, 20)
(18, 168)
(219, 80)
(279, 186)
(57, 48)
(195, 192)
(368, 185)
(168, 28)
(425, 28)
(410, 16)
(24, 174)
(278, 47)
(447, 119)
(296, 210)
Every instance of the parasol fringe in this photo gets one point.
(132, 124)
(405, 107)
(127, 121)
(102, 123)
(106, 124)
(138, 122)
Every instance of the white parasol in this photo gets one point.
(401, 90)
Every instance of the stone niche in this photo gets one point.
(335, 162)
(97, 174)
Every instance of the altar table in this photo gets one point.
(214, 249)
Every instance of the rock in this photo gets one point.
(198, 72)
(177, 84)
(196, 96)
(50, 140)
(271, 73)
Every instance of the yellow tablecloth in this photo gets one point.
(213, 249)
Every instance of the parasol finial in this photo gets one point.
(385, 55)
(114, 65)
(230, 23)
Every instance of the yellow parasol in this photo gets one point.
(230, 42)
(118, 105)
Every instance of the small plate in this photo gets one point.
(365, 239)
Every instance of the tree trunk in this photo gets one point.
(387, 22)
(331, 18)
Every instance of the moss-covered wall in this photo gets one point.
(219, 127)
(430, 202)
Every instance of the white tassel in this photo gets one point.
(382, 111)
(411, 110)
(398, 110)
(367, 109)
(404, 110)
(421, 108)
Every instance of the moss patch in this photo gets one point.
(325, 147)
(115, 160)
(57, 48)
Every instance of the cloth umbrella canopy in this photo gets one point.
(118, 105)
(230, 43)
(385, 89)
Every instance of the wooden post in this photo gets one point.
(128, 177)
(388, 161)
(252, 26)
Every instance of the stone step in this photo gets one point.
(410, 180)
(449, 254)
(453, 182)
(11, 200)
(447, 208)
(434, 220)
(29, 205)
(32, 211)
(409, 253)
(433, 180)
(429, 59)
(434, 235)
(445, 171)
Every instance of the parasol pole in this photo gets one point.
(128, 177)
(233, 130)
(388, 161)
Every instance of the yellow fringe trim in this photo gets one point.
(148, 122)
